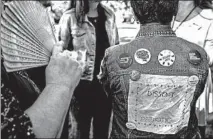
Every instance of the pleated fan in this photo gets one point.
(27, 36)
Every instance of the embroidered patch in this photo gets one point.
(160, 104)
(142, 56)
(166, 58)
(194, 57)
(124, 61)
(193, 80)
(130, 125)
(135, 75)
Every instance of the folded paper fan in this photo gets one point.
(27, 36)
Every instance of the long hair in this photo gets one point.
(204, 4)
(81, 9)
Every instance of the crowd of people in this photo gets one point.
(159, 85)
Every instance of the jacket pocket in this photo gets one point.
(78, 38)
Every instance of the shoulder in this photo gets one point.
(107, 9)
(207, 14)
(116, 50)
(68, 14)
(70, 11)
(67, 17)
(112, 49)
(189, 46)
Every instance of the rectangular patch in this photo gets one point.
(160, 104)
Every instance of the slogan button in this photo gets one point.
(124, 61)
(193, 80)
(130, 125)
(135, 75)
(194, 57)
(166, 58)
(142, 56)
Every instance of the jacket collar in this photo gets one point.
(155, 29)
(108, 12)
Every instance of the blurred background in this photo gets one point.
(126, 23)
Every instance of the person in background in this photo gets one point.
(154, 80)
(89, 26)
(194, 22)
(27, 112)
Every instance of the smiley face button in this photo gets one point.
(166, 58)
(142, 56)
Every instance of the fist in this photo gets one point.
(63, 69)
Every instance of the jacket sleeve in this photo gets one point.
(117, 41)
(103, 75)
(64, 29)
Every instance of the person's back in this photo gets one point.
(154, 82)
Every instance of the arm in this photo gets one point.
(64, 29)
(117, 41)
(46, 116)
(103, 75)
(48, 112)
(208, 46)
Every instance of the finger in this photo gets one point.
(58, 48)
(63, 55)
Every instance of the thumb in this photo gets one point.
(58, 48)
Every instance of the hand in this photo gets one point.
(63, 70)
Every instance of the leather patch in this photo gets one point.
(124, 61)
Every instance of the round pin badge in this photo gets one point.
(124, 60)
(130, 125)
(142, 56)
(166, 58)
(194, 57)
(135, 75)
(193, 80)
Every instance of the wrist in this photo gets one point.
(58, 85)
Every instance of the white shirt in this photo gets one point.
(199, 30)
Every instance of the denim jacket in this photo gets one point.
(154, 82)
(84, 37)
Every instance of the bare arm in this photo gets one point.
(48, 112)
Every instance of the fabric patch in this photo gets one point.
(166, 58)
(135, 75)
(193, 80)
(160, 104)
(124, 61)
(194, 57)
(142, 56)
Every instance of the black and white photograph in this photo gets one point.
(106, 69)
